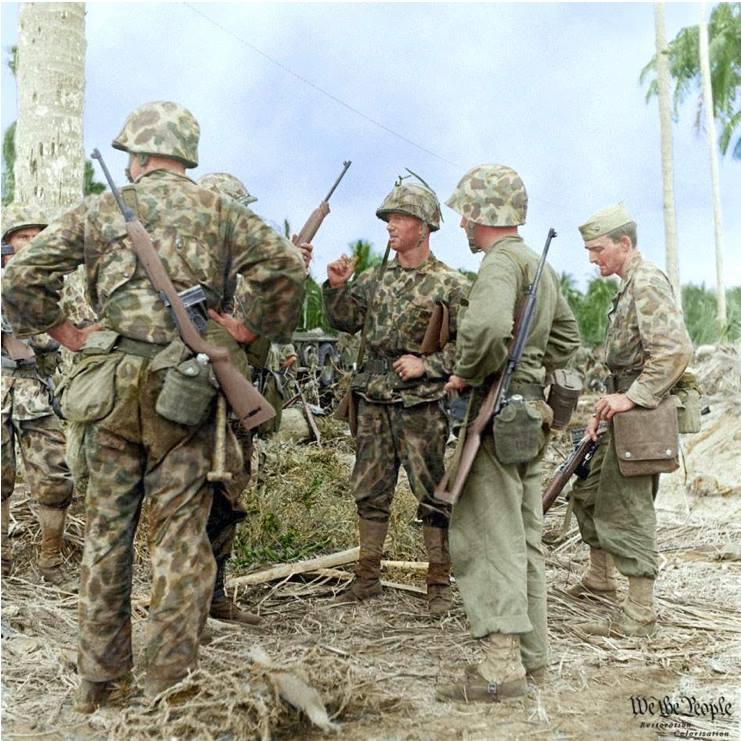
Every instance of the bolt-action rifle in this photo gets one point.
(311, 227)
(250, 407)
(498, 395)
(577, 463)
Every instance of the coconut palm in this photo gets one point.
(683, 53)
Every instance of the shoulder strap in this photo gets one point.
(371, 306)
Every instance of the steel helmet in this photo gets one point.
(17, 216)
(161, 128)
(491, 195)
(412, 200)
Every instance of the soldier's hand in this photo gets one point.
(288, 362)
(591, 429)
(409, 367)
(339, 271)
(236, 329)
(608, 406)
(455, 383)
(305, 248)
(70, 336)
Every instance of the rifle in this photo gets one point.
(498, 395)
(577, 463)
(245, 400)
(311, 227)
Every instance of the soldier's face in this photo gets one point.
(608, 256)
(469, 227)
(21, 238)
(405, 232)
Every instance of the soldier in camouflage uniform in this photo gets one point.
(148, 404)
(28, 419)
(496, 526)
(401, 419)
(647, 350)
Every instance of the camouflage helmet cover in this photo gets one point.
(161, 128)
(17, 216)
(227, 185)
(491, 195)
(412, 200)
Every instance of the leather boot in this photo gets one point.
(599, 578)
(7, 551)
(636, 616)
(90, 696)
(367, 581)
(439, 597)
(51, 560)
(222, 608)
(500, 676)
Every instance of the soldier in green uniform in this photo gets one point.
(401, 419)
(496, 525)
(28, 419)
(647, 349)
(148, 403)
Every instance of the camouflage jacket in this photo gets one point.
(485, 330)
(201, 238)
(401, 307)
(646, 333)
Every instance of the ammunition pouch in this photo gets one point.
(519, 430)
(563, 396)
(187, 393)
(88, 392)
(647, 440)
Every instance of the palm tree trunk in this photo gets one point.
(667, 163)
(707, 95)
(50, 161)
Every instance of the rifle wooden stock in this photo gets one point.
(566, 470)
(450, 492)
(311, 227)
(247, 403)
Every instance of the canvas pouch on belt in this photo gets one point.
(647, 440)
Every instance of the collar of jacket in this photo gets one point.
(163, 174)
(427, 264)
(630, 267)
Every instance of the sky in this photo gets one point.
(285, 92)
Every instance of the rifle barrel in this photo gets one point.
(346, 164)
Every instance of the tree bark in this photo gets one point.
(667, 156)
(707, 96)
(50, 162)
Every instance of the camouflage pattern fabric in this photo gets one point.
(496, 525)
(130, 450)
(492, 195)
(161, 128)
(390, 435)
(18, 216)
(413, 200)
(646, 333)
(646, 341)
(402, 307)
(199, 237)
(227, 185)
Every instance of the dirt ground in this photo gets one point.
(376, 665)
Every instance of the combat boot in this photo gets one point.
(51, 560)
(367, 581)
(500, 676)
(222, 608)
(7, 551)
(599, 578)
(636, 616)
(439, 597)
(90, 696)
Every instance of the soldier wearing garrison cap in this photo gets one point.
(401, 420)
(496, 526)
(646, 350)
(148, 405)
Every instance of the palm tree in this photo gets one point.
(362, 252)
(49, 163)
(667, 163)
(683, 53)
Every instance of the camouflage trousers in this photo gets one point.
(390, 435)
(42, 447)
(496, 551)
(616, 513)
(130, 454)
